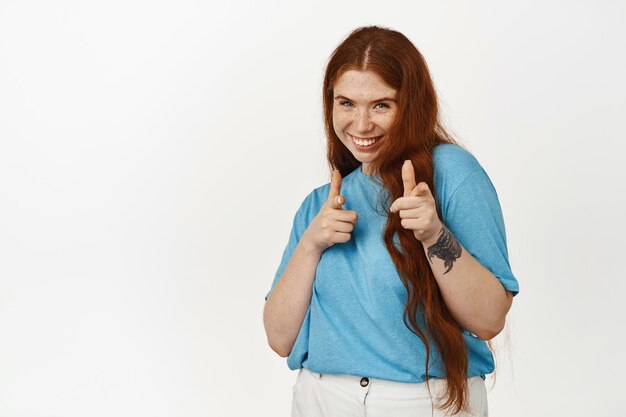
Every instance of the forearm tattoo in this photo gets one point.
(446, 248)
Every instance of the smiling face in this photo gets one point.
(364, 109)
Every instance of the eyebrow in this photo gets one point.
(378, 100)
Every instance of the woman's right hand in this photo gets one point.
(332, 224)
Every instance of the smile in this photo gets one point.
(365, 142)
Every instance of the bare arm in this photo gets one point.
(475, 297)
(289, 301)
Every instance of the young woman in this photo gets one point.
(397, 272)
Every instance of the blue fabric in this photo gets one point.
(354, 324)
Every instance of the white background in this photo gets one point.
(153, 153)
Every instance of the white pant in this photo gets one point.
(327, 395)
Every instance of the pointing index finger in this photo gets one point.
(408, 177)
(334, 200)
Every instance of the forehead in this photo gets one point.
(362, 85)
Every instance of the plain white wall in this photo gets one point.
(153, 153)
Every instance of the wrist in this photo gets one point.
(309, 248)
(432, 239)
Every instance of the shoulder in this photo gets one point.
(456, 169)
(453, 165)
(452, 159)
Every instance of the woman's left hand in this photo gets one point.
(417, 208)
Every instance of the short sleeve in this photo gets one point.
(474, 217)
(297, 230)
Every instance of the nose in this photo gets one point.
(363, 121)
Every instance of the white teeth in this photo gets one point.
(364, 142)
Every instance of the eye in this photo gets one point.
(381, 106)
(345, 103)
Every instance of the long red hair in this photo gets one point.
(414, 134)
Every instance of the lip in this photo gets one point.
(371, 137)
(366, 148)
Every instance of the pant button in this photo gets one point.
(364, 382)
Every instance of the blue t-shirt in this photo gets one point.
(354, 324)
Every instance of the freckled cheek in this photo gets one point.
(340, 123)
(386, 121)
(380, 120)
